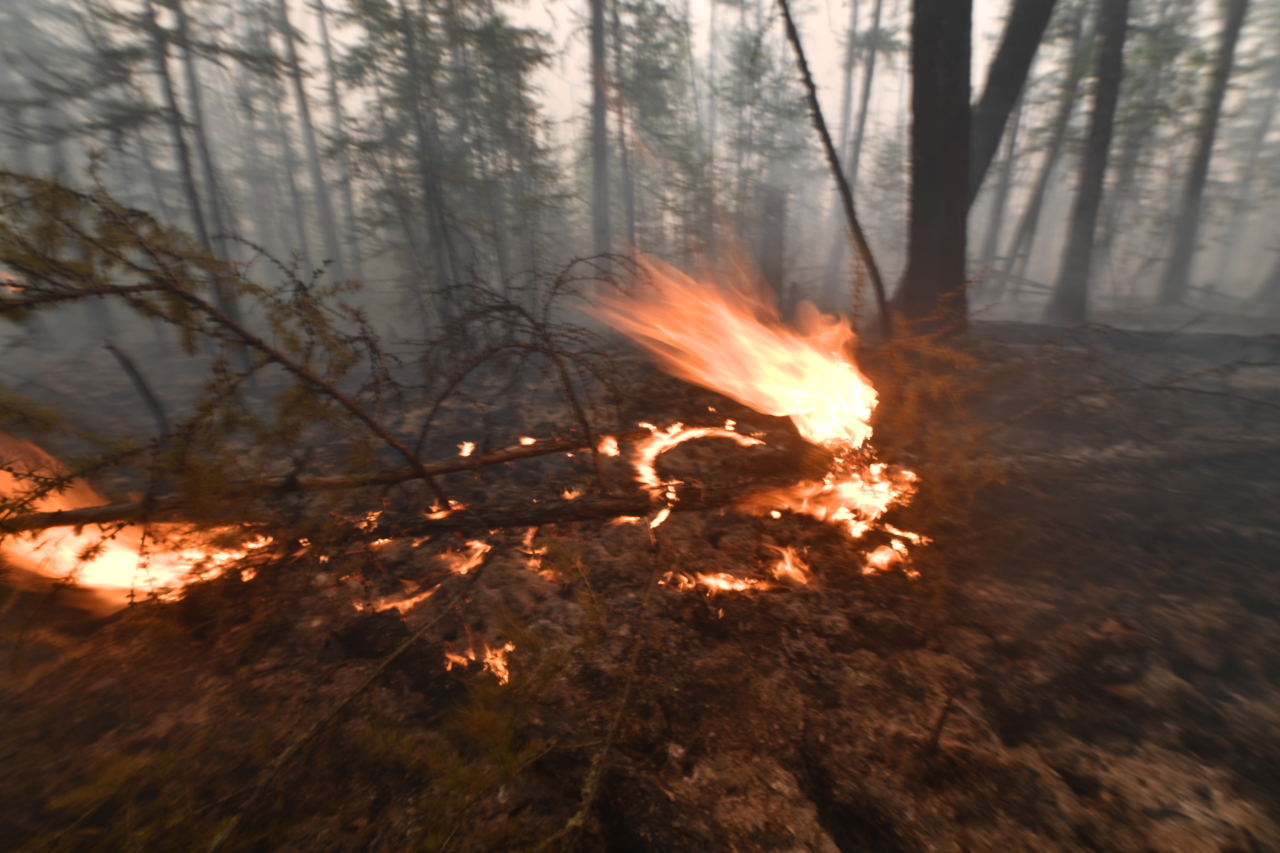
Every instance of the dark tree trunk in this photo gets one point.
(601, 238)
(1024, 235)
(933, 286)
(1177, 277)
(1245, 183)
(279, 126)
(1071, 295)
(1008, 74)
(319, 188)
(339, 137)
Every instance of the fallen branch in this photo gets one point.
(149, 509)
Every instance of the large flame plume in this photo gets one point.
(733, 341)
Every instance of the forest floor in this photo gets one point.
(1088, 660)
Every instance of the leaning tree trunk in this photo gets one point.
(1070, 298)
(601, 238)
(1177, 277)
(1008, 74)
(933, 286)
(319, 189)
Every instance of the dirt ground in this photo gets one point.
(1088, 660)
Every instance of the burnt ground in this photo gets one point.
(1088, 661)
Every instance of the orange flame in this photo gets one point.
(131, 563)
(732, 342)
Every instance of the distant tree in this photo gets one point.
(1177, 277)
(932, 291)
(601, 233)
(1069, 301)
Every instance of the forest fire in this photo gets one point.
(735, 343)
(122, 564)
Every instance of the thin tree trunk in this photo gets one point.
(1177, 277)
(1024, 235)
(160, 46)
(339, 137)
(1245, 183)
(1069, 302)
(1008, 75)
(1004, 184)
(432, 191)
(200, 129)
(319, 189)
(624, 158)
(279, 126)
(835, 256)
(601, 237)
(933, 287)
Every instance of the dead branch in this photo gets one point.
(138, 510)
(842, 183)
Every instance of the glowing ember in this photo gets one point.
(461, 562)
(647, 451)
(131, 563)
(404, 605)
(735, 343)
(571, 494)
(466, 448)
(608, 446)
(495, 661)
(724, 582)
(526, 440)
(790, 567)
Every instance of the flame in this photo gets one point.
(608, 446)
(714, 337)
(466, 448)
(725, 582)
(526, 440)
(733, 342)
(493, 660)
(120, 566)
(403, 606)
(790, 567)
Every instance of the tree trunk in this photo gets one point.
(601, 238)
(319, 189)
(1245, 183)
(279, 126)
(1024, 235)
(339, 137)
(201, 131)
(1004, 184)
(624, 157)
(432, 191)
(1177, 277)
(175, 120)
(1070, 298)
(835, 257)
(773, 230)
(1008, 74)
(933, 286)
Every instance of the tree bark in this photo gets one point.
(319, 188)
(835, 257)
(624, 158)
(932, 292)
(1177, 277)
(1069, 302)
(1005, 80)
(601, 237)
